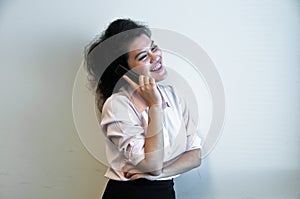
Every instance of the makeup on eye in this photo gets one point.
(142, 58)
(143, 54)
(154, 48)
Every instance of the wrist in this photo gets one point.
(155, 111)
(154, 105)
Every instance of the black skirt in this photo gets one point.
(139, 189)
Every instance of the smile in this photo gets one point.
(157, 67)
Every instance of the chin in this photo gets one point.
(161, 77)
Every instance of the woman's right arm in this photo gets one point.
(154, 143)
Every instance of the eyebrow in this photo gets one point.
(143, 50)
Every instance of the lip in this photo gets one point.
(155, 65)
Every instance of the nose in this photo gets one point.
(153, 57)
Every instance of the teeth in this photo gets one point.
(156, 67)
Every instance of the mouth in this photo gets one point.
(157, 66)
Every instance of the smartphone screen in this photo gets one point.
(121, 70)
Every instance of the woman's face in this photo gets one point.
(145, 58)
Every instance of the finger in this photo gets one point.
(127, 175)
(131, 82)
(151, 80)
(135, 176)
(146, 80)
(141, 80)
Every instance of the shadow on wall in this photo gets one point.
(195, 184)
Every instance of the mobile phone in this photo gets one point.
(122, 70)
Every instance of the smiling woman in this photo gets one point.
(146, 58)
(151, 136)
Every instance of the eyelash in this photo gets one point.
(153, 49)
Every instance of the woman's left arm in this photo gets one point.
(185, 162)
(191, 158)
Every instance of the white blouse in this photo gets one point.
(124, 123)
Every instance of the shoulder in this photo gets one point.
(118, 99)
(117, 102)
(118, 107)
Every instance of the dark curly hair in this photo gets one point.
(106, 52)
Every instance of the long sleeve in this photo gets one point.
(124, 130)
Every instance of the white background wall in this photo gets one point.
(254, 44)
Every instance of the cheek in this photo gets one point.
(142, 70)
(159, 52)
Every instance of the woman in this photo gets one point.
(151, 137)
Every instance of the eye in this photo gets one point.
(142, 57)
(154, 48)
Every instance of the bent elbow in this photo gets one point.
(156, 172)
(198, 162)
(155, 168)
(197, 158)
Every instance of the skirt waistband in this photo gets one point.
(143, 181)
